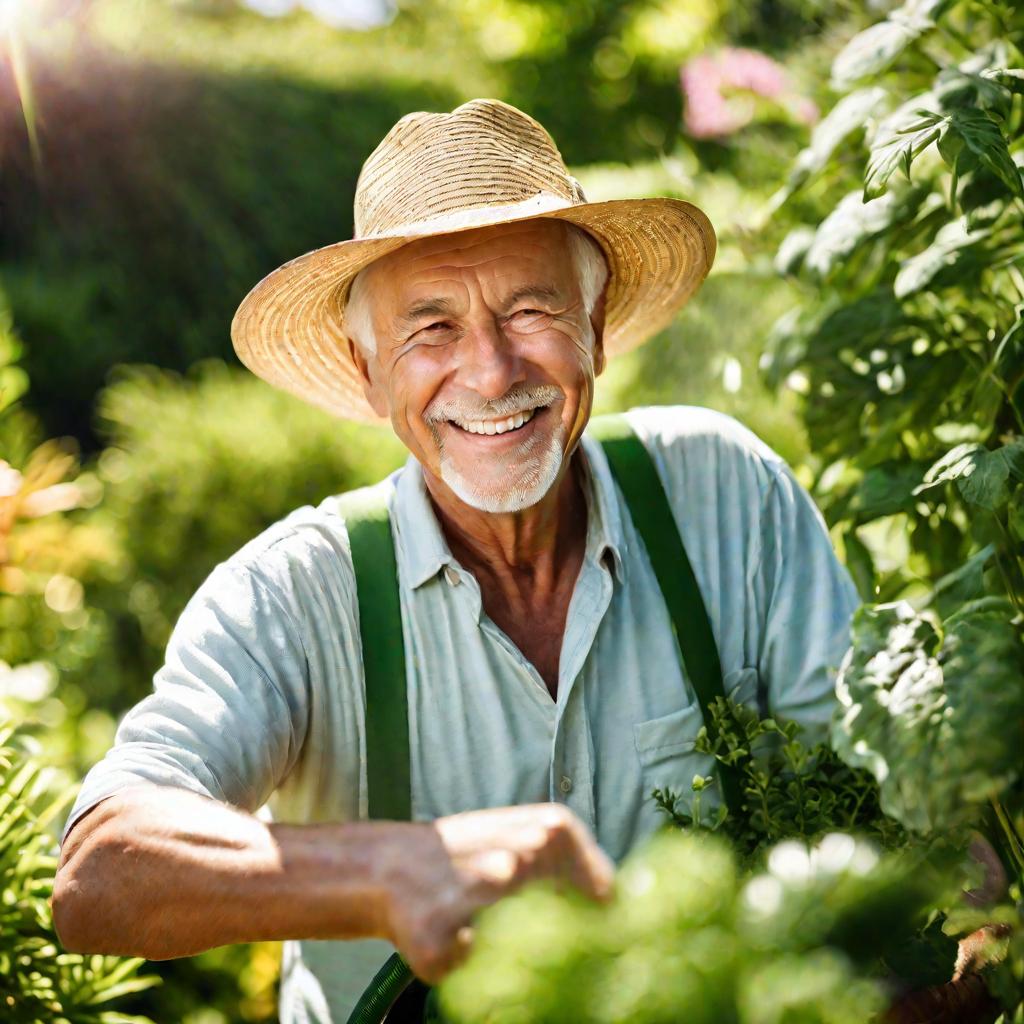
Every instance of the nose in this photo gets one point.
(488, 361)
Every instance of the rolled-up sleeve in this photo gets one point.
(809, 601)
(228, 712)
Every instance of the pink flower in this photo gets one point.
(708, 78)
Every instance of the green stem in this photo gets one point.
(1011, 589)
(1013, 841)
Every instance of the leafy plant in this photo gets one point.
(788, 790)
(689, 933)
(196, 467)
(39, 982)
(934, 710)
(908, 352)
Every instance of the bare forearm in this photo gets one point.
(176, 874)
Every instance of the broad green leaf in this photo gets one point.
(959, 461)
(793, 249)
(971, 83)
(845, 119)
(852, 222)
(966, 583)
(860, 564)
(1008, 78)
(982, 476)
(897, 143)
(982, 138)
(872, 51)
(932, 712)
(951, 241)
(883, 490)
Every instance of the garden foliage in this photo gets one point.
(689, 936)
(907, 348)
(909, 351)
(194, 469)
(789, 790)
(38, 980)
(905, 353)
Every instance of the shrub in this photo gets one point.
(196, 467)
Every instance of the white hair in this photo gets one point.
(586, 254)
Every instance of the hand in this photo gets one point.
(453, 867)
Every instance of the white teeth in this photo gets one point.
(497, 426)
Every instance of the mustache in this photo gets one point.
(516, 399)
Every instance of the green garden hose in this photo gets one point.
(380, 995)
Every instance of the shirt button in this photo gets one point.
(451, 576)
(566, 784)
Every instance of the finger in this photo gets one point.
(593, 870)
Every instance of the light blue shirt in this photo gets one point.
(261, 697)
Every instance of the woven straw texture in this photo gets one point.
(485, 163)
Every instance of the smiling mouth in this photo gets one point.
(507, 425)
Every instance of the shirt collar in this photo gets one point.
(424, 552)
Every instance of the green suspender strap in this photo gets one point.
(380, 629)
(637, 476)
(387, 705)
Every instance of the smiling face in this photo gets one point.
(485, 358)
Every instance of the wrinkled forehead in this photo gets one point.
(507, 255)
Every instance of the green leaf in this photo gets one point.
(872, 51)
(932, 712)
(793, 249)
(844, 120)
(884, 490)
(860, 564)
(982, 476)
(951, 242)
(972, 84)
(983, 139)
(1008, 78)
(852, 222)
(966, 583)
(897, 144)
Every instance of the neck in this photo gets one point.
(544, 536)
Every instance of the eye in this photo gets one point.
(528, 317)
(439, 329)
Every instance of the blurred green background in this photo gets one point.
(160, 156)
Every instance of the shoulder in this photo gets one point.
(302, 562)
(696, 445)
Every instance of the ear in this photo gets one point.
(369, 378)
(597, 322)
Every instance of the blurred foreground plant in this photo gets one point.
(687, 936)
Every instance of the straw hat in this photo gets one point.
(485, 163)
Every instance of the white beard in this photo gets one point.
(529, 476)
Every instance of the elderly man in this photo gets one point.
(487, 689)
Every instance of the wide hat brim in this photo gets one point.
(290, 328)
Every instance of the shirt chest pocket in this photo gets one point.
(665, 745)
